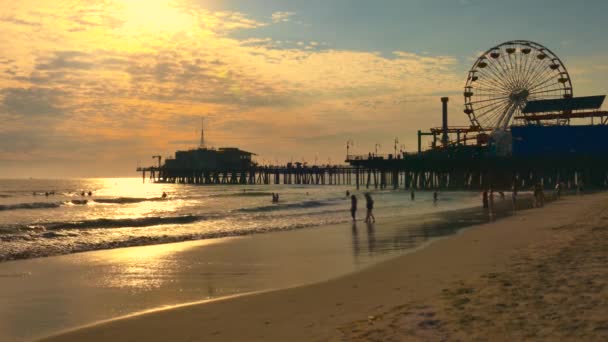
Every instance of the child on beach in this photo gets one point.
(353, 207)
(369, 218)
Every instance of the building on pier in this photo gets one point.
(223, 158)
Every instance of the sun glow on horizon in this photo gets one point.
(155, 16)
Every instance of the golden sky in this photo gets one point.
(91, 88)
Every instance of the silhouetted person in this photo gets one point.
(353, 207)
(82, 194)
(484, 199)
(435, 196)
(369, 203)
(164, 195)
(558, 190)
(491, 198)
(412, 194)
(90, 193)
(347, 193)
(539, 196)
(501, 194)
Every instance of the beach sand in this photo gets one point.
(540, 274)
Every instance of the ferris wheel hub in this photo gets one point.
(519, 95)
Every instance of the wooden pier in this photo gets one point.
(457, 169)
(256, 175)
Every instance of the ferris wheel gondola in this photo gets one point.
(504, 78)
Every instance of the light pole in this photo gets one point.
(349, 143)
(396, 142)
(376, 147)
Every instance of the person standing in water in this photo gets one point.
(369, 218)
(353, 207)
(412, 195)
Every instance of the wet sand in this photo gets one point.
(540, 274)
(42, 296)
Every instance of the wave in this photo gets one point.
(123, 222)
(286, 206)
(245, 194)
(127, 200)
(32, 205)
(46, 249)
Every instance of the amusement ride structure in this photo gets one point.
(506, 77)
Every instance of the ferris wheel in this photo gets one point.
(507, 76)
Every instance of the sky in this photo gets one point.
(96, 88)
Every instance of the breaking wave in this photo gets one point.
(33, 205)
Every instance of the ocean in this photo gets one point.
(51, 217)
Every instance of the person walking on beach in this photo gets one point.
(412, 194)
(369, 218)
(514, 196)
(435, 197)
(484, 199)
(539, 196)
(353, 207)
(558, 190)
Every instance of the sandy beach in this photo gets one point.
(540, 274)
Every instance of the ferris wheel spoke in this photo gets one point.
(492, 99)
(496, 76)
(521, 61)
(485, 88)
(512, 67)
(540, 75)
(490, 112)
(500, 74)
(489, 78)
(548, 84)
(526, 68)
(489, 87)
(490, 109)
(493, 118)
(486, 105)
(551, 79)
(546, 91)
(508, 72)
(541, 79)
(541, 72)
(504, 116)
(537, 68)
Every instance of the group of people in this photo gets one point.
(488, 198)
(369, 204)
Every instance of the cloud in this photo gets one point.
(281, 17)
(122, 86)
(31, 101)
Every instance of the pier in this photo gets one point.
(525, 130)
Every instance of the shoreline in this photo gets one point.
(66, 291)
(356, 305)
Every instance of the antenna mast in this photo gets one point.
(202, 144)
